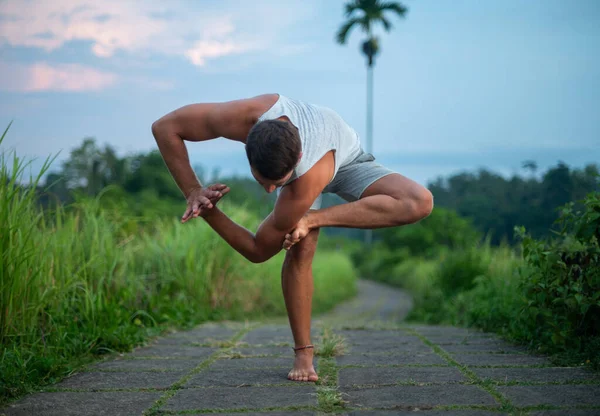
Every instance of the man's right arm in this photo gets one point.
(198, 122)
(175, 155)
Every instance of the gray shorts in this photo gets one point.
(352, 179)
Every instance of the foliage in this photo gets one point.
(441, 231)
(496, 204)
(366, 14)
(561, 280)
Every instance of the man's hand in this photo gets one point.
(302, 229)
(201, 200)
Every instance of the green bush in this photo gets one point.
(436, 236)
(437, 285)
(420, 278)
(442, 230)
(458, 269)
(494, 302)
(561, 281)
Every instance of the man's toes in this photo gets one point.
(313, 377)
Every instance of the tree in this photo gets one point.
(90, 168)
(366, 14)
(530, 165)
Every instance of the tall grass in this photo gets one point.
(81, 280)
(478, 285)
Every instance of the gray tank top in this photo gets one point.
(321, 130)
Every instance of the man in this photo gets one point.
(302, 150)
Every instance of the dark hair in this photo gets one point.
(273, 148)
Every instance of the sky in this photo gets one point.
(459, 85)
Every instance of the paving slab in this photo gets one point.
(270, 334)
(483, 347)
(418, 396)
(172, 351)
(79, 403)
(368, 336)
(121, 380)
(390, 375)
(244, 397)
(397, 359)
(499, 359)
(285, 413)
(426, 412)
(202, 334)
(374, 301)
(467, 339)
(258, 362)
(557, 395)
(544, 375)
(263, 350)
(566, 412)
(434, 330)
(388, 348)
(237, 378)
(148, 365)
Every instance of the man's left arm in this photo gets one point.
(270, 235)
(292, 204)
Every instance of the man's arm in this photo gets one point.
(258, 247)
(293, 202)
(199, 122)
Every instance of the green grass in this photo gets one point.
(330, 345)
(82, 281)
(329, 397)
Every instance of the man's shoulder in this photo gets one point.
(260, 104)
(317, 176)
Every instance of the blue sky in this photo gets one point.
(459, 85)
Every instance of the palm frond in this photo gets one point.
(365, 22)
(386, 23)
(342, 34)
(371, 8)
(351, 7)
(394, 6)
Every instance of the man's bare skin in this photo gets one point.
(391, 201)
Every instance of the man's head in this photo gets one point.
(273, 148)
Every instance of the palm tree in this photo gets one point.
(366, 14)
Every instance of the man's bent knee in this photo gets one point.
(425, 204)
(420, 206)
(303, 251)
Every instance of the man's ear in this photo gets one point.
(299, 158)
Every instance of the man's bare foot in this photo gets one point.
(303, 367)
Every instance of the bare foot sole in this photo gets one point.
(303, 367)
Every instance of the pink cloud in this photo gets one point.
(44, 77)
(206, 49)
(172, 28)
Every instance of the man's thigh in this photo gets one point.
(397, 186)
(353, 181)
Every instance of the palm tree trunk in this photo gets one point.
(369, 233)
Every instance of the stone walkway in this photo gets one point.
(368, 363)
